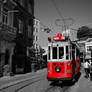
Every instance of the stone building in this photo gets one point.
(7, 35)
(16, 32)
(36, 33)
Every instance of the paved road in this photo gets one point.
(9, 84)
(37, 82)
(83, 85)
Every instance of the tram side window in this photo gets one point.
(67, 52)
(54, 53)
(61, 52)
(49, 53)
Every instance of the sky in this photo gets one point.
(80, 11)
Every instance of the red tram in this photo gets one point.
(63, 59)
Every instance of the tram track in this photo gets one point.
(18, 87)
(23, 84)
(27, 85)
(65, 89)
(32, 81)
(57, 89)
(50, 89)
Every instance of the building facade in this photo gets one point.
(86, 47)
(72, 33)
(36, 37)
(7, 35)
(19, 18)
(36, 33)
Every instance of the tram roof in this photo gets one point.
(62, 39)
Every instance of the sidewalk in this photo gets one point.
(83, 85)
(11, 80)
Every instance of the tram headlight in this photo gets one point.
(61, 63)
(54, 63)
(58, 69)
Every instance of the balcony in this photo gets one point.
(7, 32)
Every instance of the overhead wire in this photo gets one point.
(43, 27)
(59, 13)
(62, 17)
(54, 3)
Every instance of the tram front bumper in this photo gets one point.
(60, 79)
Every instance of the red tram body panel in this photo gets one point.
(65, 72)
(63, 59)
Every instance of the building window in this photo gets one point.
(6, 56)
(30, 8)
(36, 29)
(29, 31)
(5, 16)
(36, 38)
(20, 26)
(0, 11)
(89, 48)
(37, 23)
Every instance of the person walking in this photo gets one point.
(86, 67)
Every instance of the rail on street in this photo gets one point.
(37, 82)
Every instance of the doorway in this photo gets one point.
(6, 56)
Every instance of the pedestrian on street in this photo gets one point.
(86, 67)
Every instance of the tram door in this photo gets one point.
(73, 59)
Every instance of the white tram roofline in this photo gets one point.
(59, 60)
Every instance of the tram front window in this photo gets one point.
(54, 55)
(61, 52)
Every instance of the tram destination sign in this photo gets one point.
(58, 37)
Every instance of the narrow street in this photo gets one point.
(45, 39)
(37, 82)
(83, 85)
